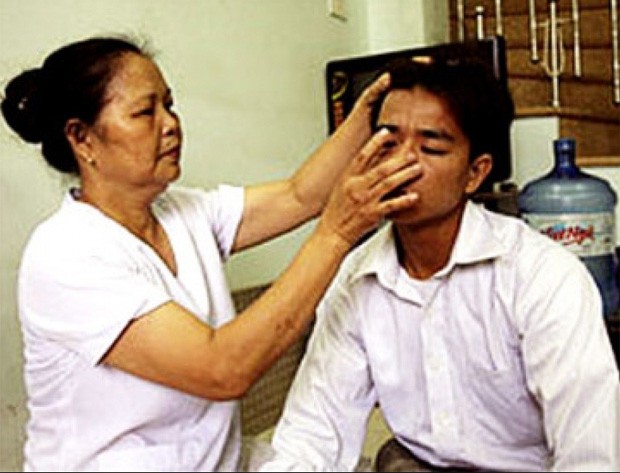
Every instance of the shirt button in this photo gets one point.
(434, 363)
(443, 418)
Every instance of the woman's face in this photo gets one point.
(421, 123)
(136, 139)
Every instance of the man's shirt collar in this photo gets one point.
(476, 241)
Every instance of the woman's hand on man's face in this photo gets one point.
(358, 202)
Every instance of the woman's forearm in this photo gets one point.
(281, 315)
(173, 347)
(317, 176)
(273, 208)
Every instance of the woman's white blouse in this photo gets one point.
(82, 279)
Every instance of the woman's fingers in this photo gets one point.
(376, 191)
(375, 90)
(390, 172)
(371, 152)
(370, 188)
(373, 93)
(400, 202)
(380, 170)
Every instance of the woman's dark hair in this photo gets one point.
(481, 104)
(71, 83)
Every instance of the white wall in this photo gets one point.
(402, 24)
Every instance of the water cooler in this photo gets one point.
(577, 210)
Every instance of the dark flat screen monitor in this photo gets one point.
(347, 78)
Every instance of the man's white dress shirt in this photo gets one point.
(499, 361)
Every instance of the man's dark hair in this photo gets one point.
(481, 104)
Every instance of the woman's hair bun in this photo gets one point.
(22, 105)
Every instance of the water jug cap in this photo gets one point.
(563, 145)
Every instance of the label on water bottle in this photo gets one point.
(585, 234)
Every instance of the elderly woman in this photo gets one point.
(134, 358)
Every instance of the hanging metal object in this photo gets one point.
(576, 39)
(479, 11)
(499, 22)
(533, 32)
(553, 52)
(479, 20)
(553, 45)
(460, 19)
(615, 61)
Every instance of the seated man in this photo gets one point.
(481, 340)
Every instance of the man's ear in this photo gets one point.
(479, 169)
(77, 135)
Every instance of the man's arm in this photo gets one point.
(571, 370)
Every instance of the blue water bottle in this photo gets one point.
(577, 210)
